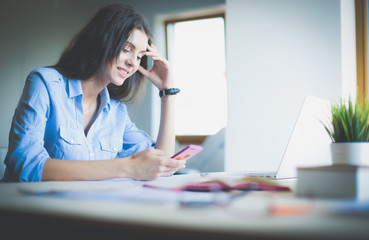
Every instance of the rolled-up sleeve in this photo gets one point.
(26, 153)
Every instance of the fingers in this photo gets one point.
(166, 166)
(176, 163)
(154, 53)
(151, 47)
(157, 57)
(151, 50)
(152, 163)
(169, 165)
(168, 171)
(165, 161)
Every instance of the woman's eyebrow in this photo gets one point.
(133, 46)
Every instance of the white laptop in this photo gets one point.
(308, 144)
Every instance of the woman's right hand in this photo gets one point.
(150, 164)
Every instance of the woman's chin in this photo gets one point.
(119, 82)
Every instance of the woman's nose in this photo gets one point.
(129, 62)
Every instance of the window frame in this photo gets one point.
(361, 18)
(190, 139)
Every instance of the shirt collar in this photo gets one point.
(105, 98)
(75, 89)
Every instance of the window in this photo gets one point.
(196, 50)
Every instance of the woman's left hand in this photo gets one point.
(160, 74)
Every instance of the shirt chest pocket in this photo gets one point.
(68, 144)
(110, 146)
(70, 137)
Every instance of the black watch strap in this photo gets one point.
(170, 91)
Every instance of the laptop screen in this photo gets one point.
(309, 142)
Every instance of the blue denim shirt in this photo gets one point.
(48, 123)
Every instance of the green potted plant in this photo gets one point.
(349, 131)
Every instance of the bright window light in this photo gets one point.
(196, 50)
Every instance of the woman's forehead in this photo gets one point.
(138, 39)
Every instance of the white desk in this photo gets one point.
(246, 217)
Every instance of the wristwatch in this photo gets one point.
(170, 91)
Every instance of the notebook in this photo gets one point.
(308, 144)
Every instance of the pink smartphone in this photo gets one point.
(188, 152)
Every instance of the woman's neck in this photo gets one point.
(91, 88)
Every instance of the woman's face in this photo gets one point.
(128, 60)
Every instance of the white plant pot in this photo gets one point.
(351, 153)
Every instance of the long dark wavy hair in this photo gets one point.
(99, 43)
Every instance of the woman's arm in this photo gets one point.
(160, 76)
(166, 136)
(145, 165)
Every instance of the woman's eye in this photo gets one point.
(125, 50)
(139, 57)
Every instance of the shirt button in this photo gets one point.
(115, 149)
(91, 154)
(72, 141)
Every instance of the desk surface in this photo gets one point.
(40, 209)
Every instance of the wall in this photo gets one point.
(277, 53)
(348, 48)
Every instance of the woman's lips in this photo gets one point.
(123, 72)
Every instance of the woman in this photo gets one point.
(71, 124)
